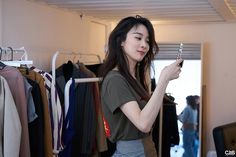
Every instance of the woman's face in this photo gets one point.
(136, 44)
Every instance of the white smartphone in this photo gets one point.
(179, 54)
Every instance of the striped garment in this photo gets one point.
(55, 110)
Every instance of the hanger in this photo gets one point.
(24, 68)
(16, 63)
(168, 99)
(54, 59)
(1, 53)
(2, 65)
(11, 49)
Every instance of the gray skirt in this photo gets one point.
(132, 148)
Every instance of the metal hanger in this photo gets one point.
(2, 65)
(11, 49)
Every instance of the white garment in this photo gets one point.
(10, 126)
(54, 109)
(211, 153)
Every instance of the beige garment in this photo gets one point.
(47, 125)
(16, 85)
(10, 127)
(149, 147)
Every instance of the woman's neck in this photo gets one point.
(132, 70)
(132, 66)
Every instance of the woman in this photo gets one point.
(189, 119)
(128, 109)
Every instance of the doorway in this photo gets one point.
(189, 83)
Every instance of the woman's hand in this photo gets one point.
(171, 71)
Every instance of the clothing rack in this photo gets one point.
(68, 53)
(90, 54)
(78, 80)
(17, 63)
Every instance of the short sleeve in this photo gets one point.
(117, 92)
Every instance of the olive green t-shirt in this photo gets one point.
(115, 92)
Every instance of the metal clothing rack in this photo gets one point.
(17, 63)
(67, 53)
(78, 80)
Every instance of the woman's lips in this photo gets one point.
(141, 52)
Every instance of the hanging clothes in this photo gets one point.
(108, 148)
(55, 110)
(47, 120)
(10, 126)
(83, 130)
(15, 79)
(101, 142)
(84, 113)
(68, 125)
(31, 114)
(83, 141)
(63, 74)
(94, 68)
(170, 133)
(36, 131)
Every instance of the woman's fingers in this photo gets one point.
(179, 62)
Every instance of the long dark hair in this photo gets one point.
(191, 101)
(116, 56)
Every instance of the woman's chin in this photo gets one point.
(140, 58)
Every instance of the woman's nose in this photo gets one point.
(144, 44)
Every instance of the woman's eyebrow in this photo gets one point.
(138, 33)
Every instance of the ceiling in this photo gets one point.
(160, 11)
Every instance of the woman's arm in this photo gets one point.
(144, 119)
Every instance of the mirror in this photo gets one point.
(189, 83)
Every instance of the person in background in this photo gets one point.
(196, 141)
(129, 110)
(189, 119)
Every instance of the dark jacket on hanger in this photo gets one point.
(84, 116)
(94, 68)
(170, 133)
(36, 133)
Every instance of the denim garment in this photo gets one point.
(132, 148)
(188, 143)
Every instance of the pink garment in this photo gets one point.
(10, 127)
(16, 84)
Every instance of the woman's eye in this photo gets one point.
(138, 38)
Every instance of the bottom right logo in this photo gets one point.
(229, 153)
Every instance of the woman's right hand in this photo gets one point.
(171, 71)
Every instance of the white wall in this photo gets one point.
(43, 30)
(96, 33)
(218, 70)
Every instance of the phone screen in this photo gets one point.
(179, 54)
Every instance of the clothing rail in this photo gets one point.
(22, 61)
(67, 53)
(91, 54)
(78, 80)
